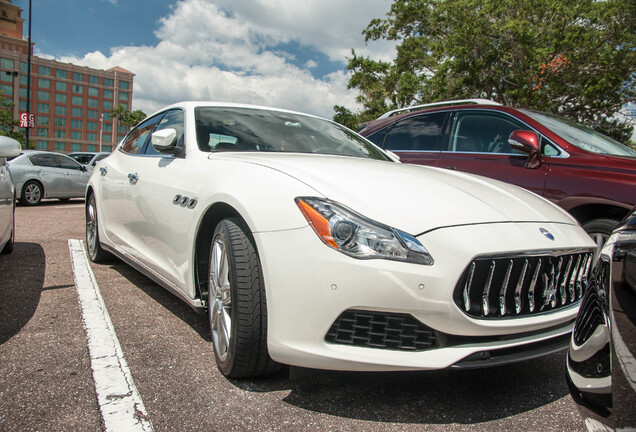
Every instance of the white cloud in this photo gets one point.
(223, 52)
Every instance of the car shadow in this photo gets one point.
(50, 202)
(197, 321)
(22, 282)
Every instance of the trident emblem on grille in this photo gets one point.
(549, 288)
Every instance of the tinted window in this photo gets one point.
(136, 139)
(419, 133)
(67, 163)
(173, 119)
(477, 132)
(98, 158)
(82, 158)
(45, 160)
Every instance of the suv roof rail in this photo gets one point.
(451, 102)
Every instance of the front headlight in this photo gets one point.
(354, 235)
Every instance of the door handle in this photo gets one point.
(450, 167)
(133, 178)
(103, 170)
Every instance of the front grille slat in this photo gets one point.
(519, 286)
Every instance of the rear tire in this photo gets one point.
(237, 306)
(600, 229)
(94, 248)
(32, 193)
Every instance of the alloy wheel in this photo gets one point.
(220, 299)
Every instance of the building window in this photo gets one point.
(44, 70)
(7, 89)
(78, 76)
(108, 82)
(61, 73)
(23, 79)
(44, 83)
(75, 147)
(78, 88)
(59, 146)
(61, 98)
(123, 85)
(76, 100)
(43, 132)
(43, 145)
(76, 124)
(76, 112)
(60, 110)
(92, 103)
(91, 114)
(92, 91)
(23, 92)
(91, 125)
(108, 105)
(22, 105)
(60, 86)
(42, 95)
(106, 138)
(24, 67)
(106, 148)
(6, 63)
(61, 122)
(107, 127)
(108, 94)
(59, 133)
(43, 108)
(122, 129)
(43, 121)
(91, 147)
(76, 135)
(91, 136)
(93, 79)
(123, 96)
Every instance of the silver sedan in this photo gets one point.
(42, 174)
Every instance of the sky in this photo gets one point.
(288, 54)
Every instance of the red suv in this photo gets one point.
(588, 174)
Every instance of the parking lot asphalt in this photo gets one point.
(46, 381)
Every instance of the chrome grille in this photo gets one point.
(590, 316)
(515, 286)
(381, 330)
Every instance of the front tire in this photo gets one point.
(95, 251)
(32, 193)
(600, 229)
(237, 306)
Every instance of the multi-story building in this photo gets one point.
(72, 104)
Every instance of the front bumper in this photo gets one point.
(309, 286)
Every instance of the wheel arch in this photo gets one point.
(36, 180)
(587, 212)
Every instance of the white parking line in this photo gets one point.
(119, 402)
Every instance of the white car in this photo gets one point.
(310, 246)
(9, 148)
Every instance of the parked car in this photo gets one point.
(588, 174)
(89, 159)
(43, 174)
(312, 247)
(8, 148)
(601, 362)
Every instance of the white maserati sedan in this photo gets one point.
(309, 246)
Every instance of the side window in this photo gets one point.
(418, 133)
(44, 160)
(174, 119)
(480, 132)
(136, 139)
(377, 138)
(98, 158)
(68, 163)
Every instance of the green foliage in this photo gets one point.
(127, 118)
(576, 58)
(8, 124)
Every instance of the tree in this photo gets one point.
(127, 118)
(8, 124)
(576, 58)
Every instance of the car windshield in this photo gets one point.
(251, 129)
(82, 158)
(581, 136)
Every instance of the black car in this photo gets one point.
(601, 362)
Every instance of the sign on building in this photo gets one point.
(27, 120)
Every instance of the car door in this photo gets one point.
(76, 177)
(417, 139)
(155, 201)
(118, 177)
(50, 174)
(6, 197)
(478, 144)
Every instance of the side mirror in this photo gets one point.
(527, 142)
(9, 147)
(83, 168)
(165, 141)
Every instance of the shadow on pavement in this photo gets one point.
(21, 284)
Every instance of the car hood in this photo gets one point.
(413, 198)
